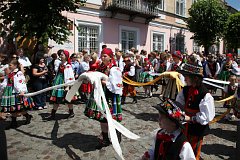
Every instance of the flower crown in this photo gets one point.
(172, 110)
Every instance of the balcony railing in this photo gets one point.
(139, 7)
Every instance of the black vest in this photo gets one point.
(171, 148)
(196, 129)
(212, 67)
(127, 69)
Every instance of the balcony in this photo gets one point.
(133, 8)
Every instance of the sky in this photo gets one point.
(234, 3)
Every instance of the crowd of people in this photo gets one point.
(20, 74)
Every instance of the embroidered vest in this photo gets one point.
(192, 107)
(171, 149)
(212, 67)
(231, 90)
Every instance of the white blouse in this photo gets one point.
(206, 107)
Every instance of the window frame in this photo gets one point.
(184, 7)
(133, 29)
(88, 24)
(164, 39)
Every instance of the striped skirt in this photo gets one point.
(114, 103)
(13, 102)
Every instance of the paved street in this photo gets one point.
(76, 138)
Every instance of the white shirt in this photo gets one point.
(120, 63)
(206, 107)
(57, 63)
(186, 152)
(24, 61)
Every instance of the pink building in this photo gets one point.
(131, 23)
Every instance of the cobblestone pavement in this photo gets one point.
(76, 138)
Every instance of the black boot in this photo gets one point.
(134, 99)
(71, 113)
(13, 123)
(28, 118)
(123, 100)
(103, 142)
(52, 116)
(119, 135)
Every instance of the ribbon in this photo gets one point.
(95, 78)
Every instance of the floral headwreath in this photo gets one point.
(172, 110)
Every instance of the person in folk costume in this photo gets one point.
(198, 105)
(171, 90)
(169, 141)
(227, 66)
(230, 89)
(65, 74)
(113, 97)
(13, 100)
(163, 65)
(146, 77)
(236, 103)
(129, 72)
(212, 69)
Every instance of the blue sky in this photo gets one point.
(234, 3)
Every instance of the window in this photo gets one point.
(180, 43)
(88, 38)
(180, 7)
(128, 39)
(196, 47)
(160, 6)
(158, 42)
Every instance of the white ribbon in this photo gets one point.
(211, 84)
(95, 78)
(216, 81)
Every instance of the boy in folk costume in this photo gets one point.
(198, 105)
(129, 72)
(170, 142)
(65, 74)
(113, 90)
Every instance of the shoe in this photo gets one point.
(71, 114)
(40, 108)
(123, 100)
(52, 116)
(45, 107)
(134, 100)
(28, 119)
(103, 142)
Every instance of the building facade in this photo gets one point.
(125, 24)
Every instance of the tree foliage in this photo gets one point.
(207, 20)
(41, 19)
(232, 31)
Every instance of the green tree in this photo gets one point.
(40, 19)
(207, 20)
(232, 31)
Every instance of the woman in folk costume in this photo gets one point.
(65, 74)
(169, 141)
(113, 91)
(227, 66)
(171, 90)
(198, 105)
(13, 100)
(129, 72)
(146, 77)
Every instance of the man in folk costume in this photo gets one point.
(129, 72)
(171, 90)
(198, 105)
(212, 69)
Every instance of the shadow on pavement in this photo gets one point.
(79, 141)
(221, 151)
(58, 116)
(144, 116)
(224, 134)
